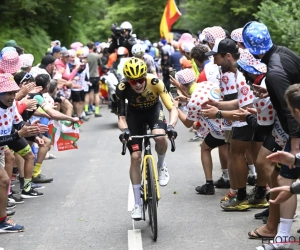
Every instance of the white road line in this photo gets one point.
(135, 240)
(134, 236)
(130, 197)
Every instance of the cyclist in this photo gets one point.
(142, 91)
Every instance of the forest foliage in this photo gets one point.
(33, 24)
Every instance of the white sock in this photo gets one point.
(284, 233)
(252, 171)
(161, 160)
(83, 114)
(232, 191)
(137, 194)
(225, 174)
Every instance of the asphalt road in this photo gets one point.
(86, 206)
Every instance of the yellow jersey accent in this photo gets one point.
(154, 89)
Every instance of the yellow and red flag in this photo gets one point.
(170, 16)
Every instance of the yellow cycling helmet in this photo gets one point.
(135, 68)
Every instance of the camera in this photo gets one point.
(117, 31)
(172, 73)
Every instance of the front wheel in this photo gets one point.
(152, 199)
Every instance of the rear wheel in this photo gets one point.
(152, 199)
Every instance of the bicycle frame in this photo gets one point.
(148, 155)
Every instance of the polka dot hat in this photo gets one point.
(27, 60)
(248, 63)
(211, 34)
(7, 83)
(185, 76)
(236, 35)
(10, 62)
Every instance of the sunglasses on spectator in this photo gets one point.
(137, 81)
(26, 78)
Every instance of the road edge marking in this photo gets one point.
(135, 239)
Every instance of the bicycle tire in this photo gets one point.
(152, 199)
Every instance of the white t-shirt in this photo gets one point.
(38, 71)
(48, 99)
(266, 115)
(8, 117)
(245, 96)
(203, 91)
(228, 83)
(212, 72)
(264, 107)
(228, 87)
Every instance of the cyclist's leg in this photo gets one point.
(158, 125)
(135, 125)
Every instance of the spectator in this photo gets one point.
(282, 64)
(27, 62)
(94, 62)
(175, 58)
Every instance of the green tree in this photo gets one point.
(283, 21)
(144, 15)
(231, 15)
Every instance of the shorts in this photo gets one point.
(95, 84)
(228, 136)
(258, 137)
(270, 144)
(20, 146)
(244, 133)
(77, 96)
(155, 119)
(285, 171)
(213, 142)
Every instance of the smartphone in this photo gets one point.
(172, 73)
(173, 91)
(249, 83)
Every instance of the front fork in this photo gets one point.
(145, 176)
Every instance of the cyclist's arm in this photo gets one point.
(122, 124)
(165, 97)
(121, 106)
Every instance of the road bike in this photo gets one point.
(150, 192)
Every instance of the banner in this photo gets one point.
(64, 134)
(170, 16)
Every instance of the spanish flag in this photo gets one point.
(170, 16)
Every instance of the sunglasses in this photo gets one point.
(26, 78)
(135, 82)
